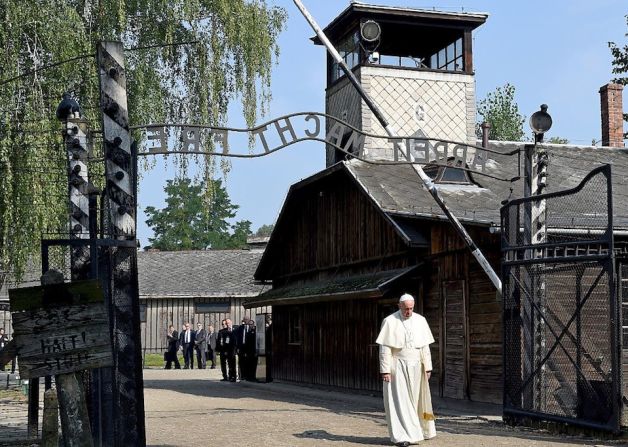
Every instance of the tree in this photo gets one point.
(500, 110)
(186, 61)
(189, 222)
(558, 140)
(265, 230)
(620, 66)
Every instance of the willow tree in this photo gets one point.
(186, 61)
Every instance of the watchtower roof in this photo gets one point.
(357, 11)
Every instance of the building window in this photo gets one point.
(143, 313)
(450, 58)
(448, 174)
(212, 307)
(294, 327)
(349, 50)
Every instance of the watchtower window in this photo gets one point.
(349, 50)
(450, 58)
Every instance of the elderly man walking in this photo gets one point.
(405, 365)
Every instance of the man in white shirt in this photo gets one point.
(405, 367)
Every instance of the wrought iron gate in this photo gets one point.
(561, 316)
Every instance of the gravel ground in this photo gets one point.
(193, 407)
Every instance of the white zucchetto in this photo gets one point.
(406, 297)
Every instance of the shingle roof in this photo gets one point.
(203, 273)
(397, 189)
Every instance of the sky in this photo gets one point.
(553, 52)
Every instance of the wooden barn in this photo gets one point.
(203, 286)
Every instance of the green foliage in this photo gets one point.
(620, 66)
(265, 230)
(233, 46)
(558, 140)
(500, 110)
(189, 222)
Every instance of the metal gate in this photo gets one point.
(561, 316)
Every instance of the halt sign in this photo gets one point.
(60, 328)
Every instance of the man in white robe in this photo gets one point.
(405, 364)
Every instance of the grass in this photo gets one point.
(12, 395)
(156, 360)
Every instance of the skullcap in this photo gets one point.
(406, 297)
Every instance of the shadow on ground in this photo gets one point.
(365, 407)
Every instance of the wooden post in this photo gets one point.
(121, 180)
(50, 424)
(73, 409)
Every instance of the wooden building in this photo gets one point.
(351, 238)
(203, 286)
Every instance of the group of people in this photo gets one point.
(200, 342)
(229, 342)
(404, 360)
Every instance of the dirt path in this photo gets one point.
(193, 408)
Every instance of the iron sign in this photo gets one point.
(303, 126)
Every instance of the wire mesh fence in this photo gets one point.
(561, 321)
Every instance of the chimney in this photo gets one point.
(612, 115)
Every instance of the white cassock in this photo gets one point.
(405, 354)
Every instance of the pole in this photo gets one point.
(427, 181)
(128, 386)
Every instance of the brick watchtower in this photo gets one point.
(419, 71)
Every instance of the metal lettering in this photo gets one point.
(222, 137)
(419, 150)
(440, 156)
(190, 136)
(317, 129)
(479, 159)
(337, 132)
(397, 145)
(456, 151)
(158, 135)
(260, 131)
(355, 144)
(282, 130)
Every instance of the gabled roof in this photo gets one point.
(196, 274)
(398, 190)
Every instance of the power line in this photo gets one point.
(46, 67)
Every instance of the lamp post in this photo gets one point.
(536, 234)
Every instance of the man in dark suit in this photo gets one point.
(200, 343)
(4, 339)
(226, 345)
(188, 346)
(250, 352)
(211, 345)
(241, 336)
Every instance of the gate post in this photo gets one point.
(120, 166)
(535, 232)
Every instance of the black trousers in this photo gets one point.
(228, 366)
(211, 355)
(172, 357)
(188, 355)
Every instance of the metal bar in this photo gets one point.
(427, 181)
(563, 419)
(33, 407)
(558, 338)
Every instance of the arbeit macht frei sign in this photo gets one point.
(303, 126)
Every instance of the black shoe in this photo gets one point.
(404, 444)
(213, 367)
(232, 380)
(224, 380)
